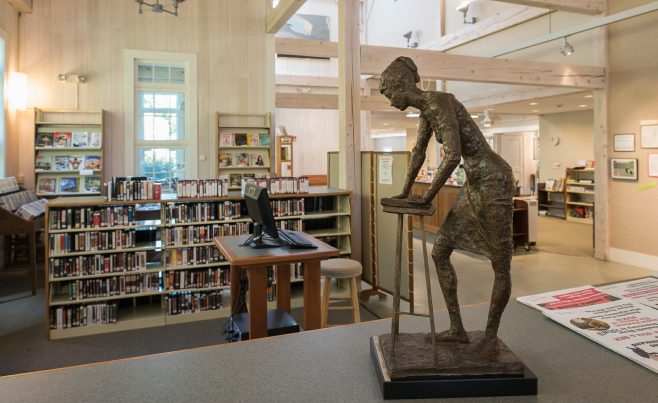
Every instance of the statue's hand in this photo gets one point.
(400, 196)
(421, 201)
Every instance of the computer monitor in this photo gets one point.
(260, 211)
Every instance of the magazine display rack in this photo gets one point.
(121, 265)
(68, 152)
(244, 147)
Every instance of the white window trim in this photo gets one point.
(130, 57)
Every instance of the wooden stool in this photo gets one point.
(340, 268)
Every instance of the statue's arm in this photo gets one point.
(417, 156)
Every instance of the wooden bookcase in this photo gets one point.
(579, 195)
(158, 238)
(236, 145)
(551, 201)
(68, 152)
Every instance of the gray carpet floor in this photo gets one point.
(24, 346)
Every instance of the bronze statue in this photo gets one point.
(481, 219)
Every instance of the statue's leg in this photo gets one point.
(502, 289)
(448, 281)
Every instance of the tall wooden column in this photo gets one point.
(349, 108)
(601, 149)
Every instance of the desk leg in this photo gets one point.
(283, 287)
(312, 302)
(235, 288)
(257, 302)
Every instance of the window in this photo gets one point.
(163, 109)
(3, 145)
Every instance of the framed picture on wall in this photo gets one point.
(624, 142)
(653, 165)
(649, 134)
(623, 168)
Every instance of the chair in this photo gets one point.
(340, 269)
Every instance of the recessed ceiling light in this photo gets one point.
(535, 110)
(385, 124)
(582, 106)
(533, 103)
(589, 96)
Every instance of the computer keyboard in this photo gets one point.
(294, 240)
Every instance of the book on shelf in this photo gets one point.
(62, 139)
(47, 185)
(68, 184)
(226, 139)
(240, 139)
(264, 139)
(80, 139)
(253, 139)
(201, 188)
(65, 317)
(241, 160)
(95, 139)
(257, 160)
(225, 159)
(90, 265)
(203, 211)
(235, 180)
(61, 163)
(122, 188)
(193, 255)
(32, 210)
(191, 302)
(554, 185)
(45, 139)
(43, 162)
(199, 278)
(93, 162)
(75, 163)
(92, 183)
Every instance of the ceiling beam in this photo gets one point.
(293, 100)
(22, 6)
(503, 96)
(281, 14)
(306, 81)
(499, 22)
(591, 7)
(303, 47)
(438, 65)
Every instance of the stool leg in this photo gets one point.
(430, 306)
(355, 300)
(325, 301)
(395, 322)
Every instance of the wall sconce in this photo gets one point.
(18, 90)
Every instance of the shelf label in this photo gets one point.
(86, 172)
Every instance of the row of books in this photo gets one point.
(555, 185)
(581, 212)
(201, 188)
(92, 241)
(293, 225)
(244, 140)
(243, 160)
(124, 188)
(238, 180)
(207, 211)
(47, 162)
(65, 317)
(192, 234)
(69, 139)
(193, 256)
(284, 185)
(107, 287)
(184, 279)
(193, 302)
(290, 207)
(91, 217)
(69, 184)
(581, 189)
(89, 265)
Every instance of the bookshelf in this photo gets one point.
(579, 195)
(284, 149)
(551, 201)
(122, 265)
(244, 146)
(68, 152)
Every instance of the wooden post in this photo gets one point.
(349, 143)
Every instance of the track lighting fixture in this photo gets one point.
(565, 47)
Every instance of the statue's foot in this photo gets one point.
(452, 336)
(488, 345)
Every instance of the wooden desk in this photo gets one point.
(256, 261)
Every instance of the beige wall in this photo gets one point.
(9, 30)
(576, 131)
(431, 155)
(235, 61)
(633, 97)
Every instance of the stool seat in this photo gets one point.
(340, 268)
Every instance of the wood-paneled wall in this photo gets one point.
(9, 28)
(235, 61)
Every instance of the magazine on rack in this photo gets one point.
(621, 316)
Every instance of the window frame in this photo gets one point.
(132, 58)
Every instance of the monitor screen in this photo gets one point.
(260, 209)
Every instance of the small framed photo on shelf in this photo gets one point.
(652, 162)
(241, 160)
(240, 139)
(253, 140)
(226, 139)
(624, 142)
(623, 168)
(649, 134)
(257, 160)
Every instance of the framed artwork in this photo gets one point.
(624, 142)
(649, 135)
(653, 165)
(623, 168)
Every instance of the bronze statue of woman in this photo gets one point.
(481, 219)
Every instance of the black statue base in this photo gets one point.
(462, 370)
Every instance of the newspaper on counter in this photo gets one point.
(622, 316)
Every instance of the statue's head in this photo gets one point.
(398, 81)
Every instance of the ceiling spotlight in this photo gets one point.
(413, 114)
(385, 124)
(533, 103)
(82, 78)
(412, 38)
(159, 8)
(589, 96)
(565, 47)
(62, 77)
(582, 106)
(487, 120)
(535, 111)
